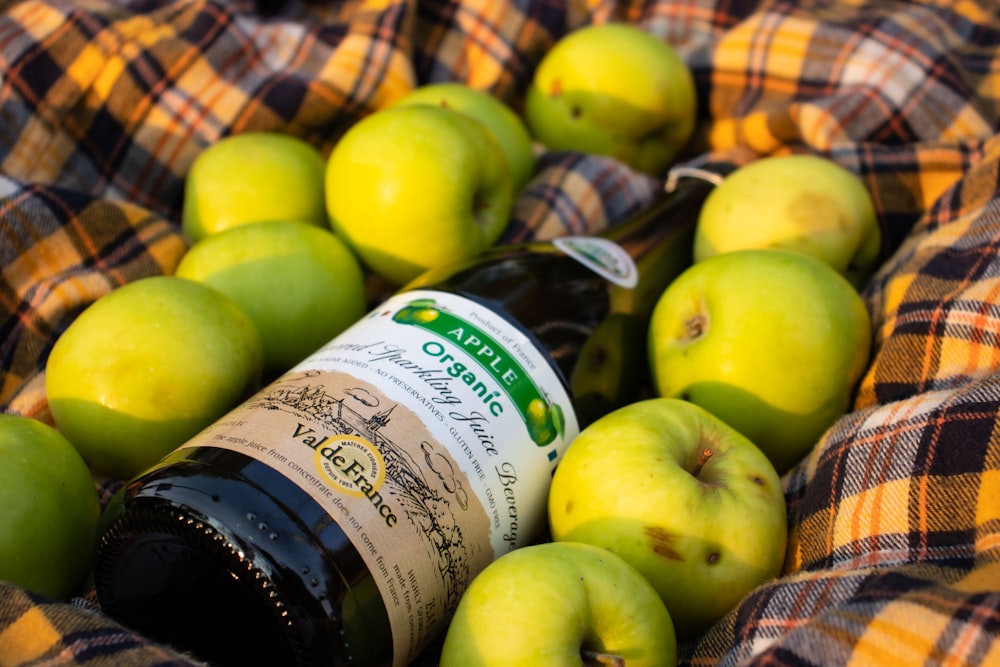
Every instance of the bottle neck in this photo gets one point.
(674, 209)
(660, 237)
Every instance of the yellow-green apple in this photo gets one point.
(300, 284)
(771, 341)
(49, 509)
(612, 368)
(508, 128)
(806, 203)
(688, 501)
(614, 89)
(417, 186)
(251, 177)
(559, 603)
(145, 367)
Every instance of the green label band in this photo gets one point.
(543, 420)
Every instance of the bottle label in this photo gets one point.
(605, 258)
(429, 431)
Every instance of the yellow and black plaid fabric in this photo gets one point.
(894, 554)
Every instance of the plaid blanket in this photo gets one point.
(894, 552)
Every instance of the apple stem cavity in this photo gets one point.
(481, 211)
(598, 658)
(694, 327)
(706, 454)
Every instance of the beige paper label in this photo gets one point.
(429, 432)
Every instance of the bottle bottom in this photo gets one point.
(220, 570)
(177, 593)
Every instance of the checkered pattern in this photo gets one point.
(894, 550)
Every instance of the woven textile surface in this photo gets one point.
(894, 551)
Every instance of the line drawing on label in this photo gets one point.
(418, 487)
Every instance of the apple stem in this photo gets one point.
(706, 454)
(599, 658)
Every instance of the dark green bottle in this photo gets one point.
(336, 517)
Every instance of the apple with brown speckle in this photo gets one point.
(693, 505)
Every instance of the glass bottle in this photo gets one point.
(336, 517)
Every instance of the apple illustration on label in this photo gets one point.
(559, 603)
(145, 367)
(416, 186)
(50, 509)
(299, 283)
(771, 341)
(252, 177)
(688, 501)
(613, 89)
(805, 203)
(507, 127)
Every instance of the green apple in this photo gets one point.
(417, 186)
(300, 284)
(613, 89)
(771, 341)
(145, 367)
(49, 509)
(556, 604)
(612, 368)
(252, 177)
(508, 128)
(798, 202)
(688, 501)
